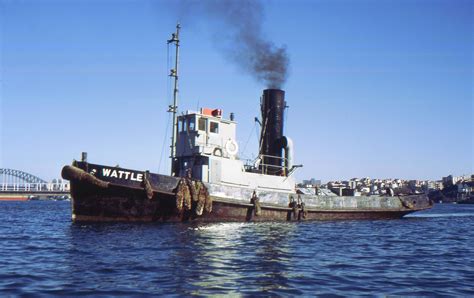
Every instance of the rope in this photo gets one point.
(298, 211)
(147, 186)
(293, 213)
(194, 196)
(180, 195)
(302, 213)
(201, 199)
(255, 201)
(208, 202)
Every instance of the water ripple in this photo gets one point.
(42, 252)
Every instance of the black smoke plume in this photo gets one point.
(237, 30)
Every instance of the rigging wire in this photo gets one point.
(242, 152)
(168, 96)
(257, 134)
(248, 139)
(163, 146)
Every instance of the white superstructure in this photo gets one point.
(206, 145)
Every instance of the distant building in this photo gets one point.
(439, 185)
(310, 186)
(449, 181)
(431, 185)
(312, 182)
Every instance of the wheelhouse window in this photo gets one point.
(181, 123)
(202, 124)
(191, 124)
(214, 127)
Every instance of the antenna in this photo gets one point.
(174, 107)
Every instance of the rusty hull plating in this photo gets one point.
(96, 200)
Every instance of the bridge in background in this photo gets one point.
(16, 181)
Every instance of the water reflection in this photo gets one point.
(190, 259)
(254, 256)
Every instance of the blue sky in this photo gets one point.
(376, 88)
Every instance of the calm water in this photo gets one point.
(41, 251)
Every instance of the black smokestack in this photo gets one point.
(237, 26)
(273, 106)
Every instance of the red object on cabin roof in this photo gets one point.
(211, 112)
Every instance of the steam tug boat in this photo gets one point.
(210, 183)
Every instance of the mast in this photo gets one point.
(174, 107)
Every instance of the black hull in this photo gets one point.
(97, 198)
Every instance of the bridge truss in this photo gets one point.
(17, 176)
(19, 181)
